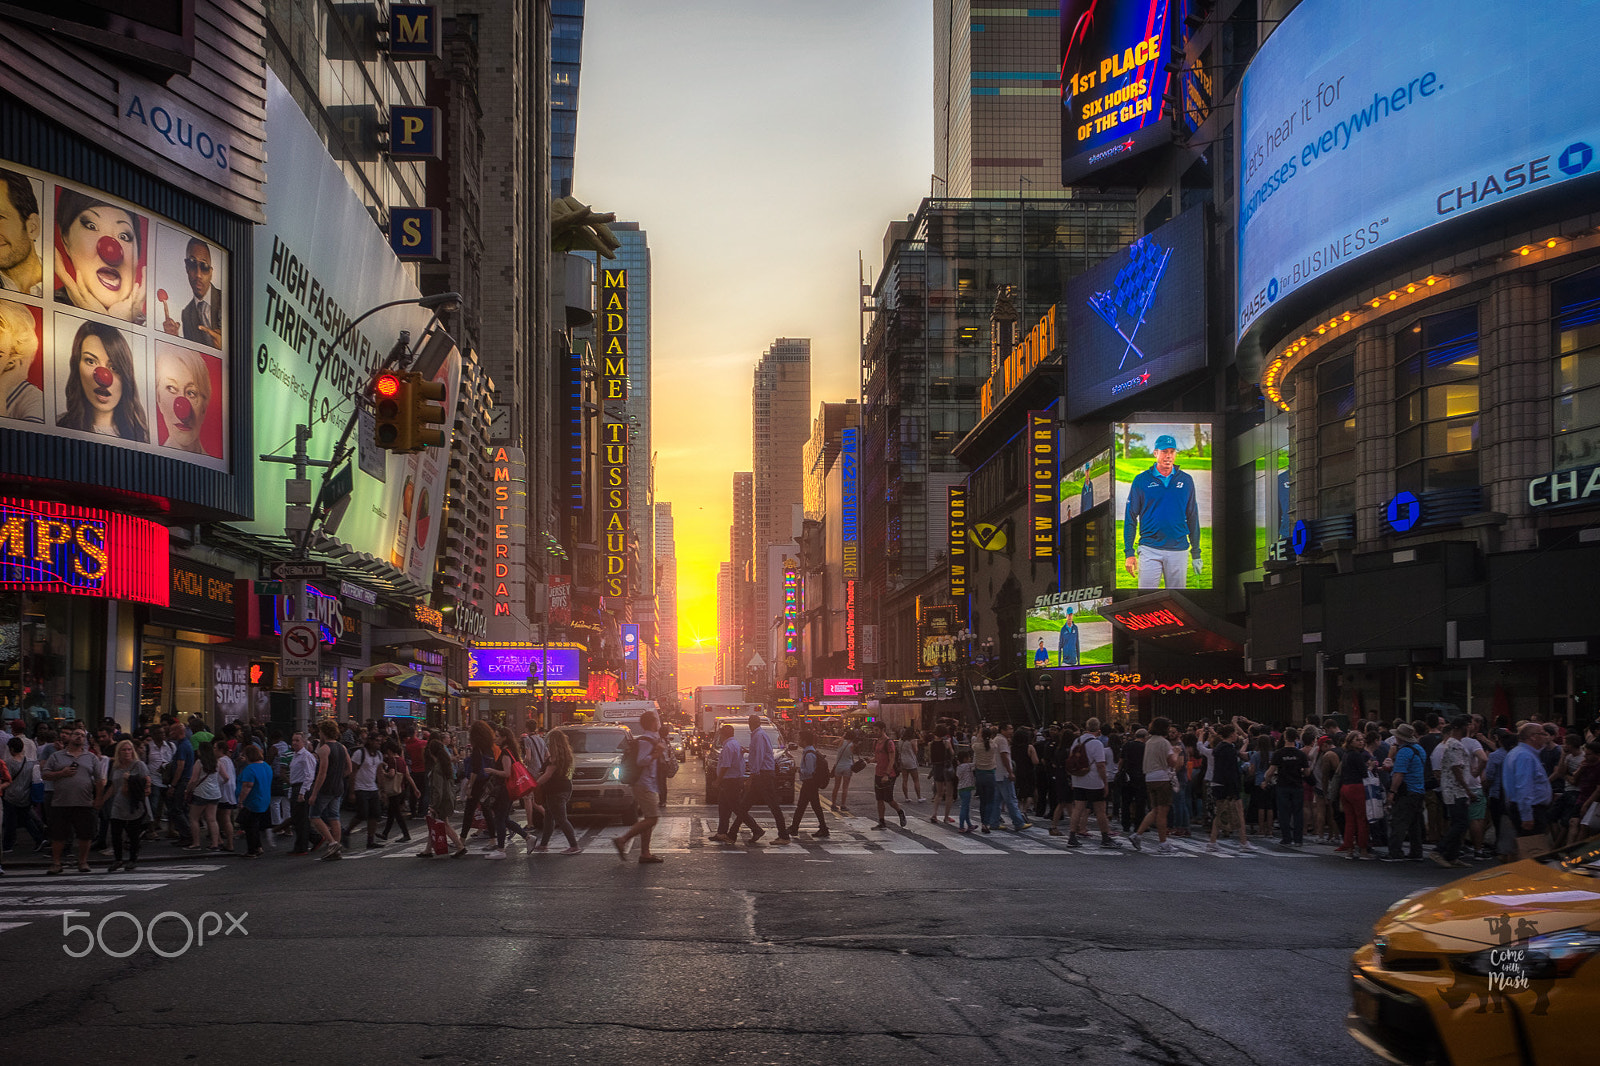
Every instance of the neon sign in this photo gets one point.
(1042, 503)
(614, 434)
(1149, 619)
(849, 504)
(850, 624)
(956, 545)
(791, 608)
(49, 547)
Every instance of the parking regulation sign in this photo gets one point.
(301, 650)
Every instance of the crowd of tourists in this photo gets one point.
(1370, 791)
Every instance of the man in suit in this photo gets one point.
(202, 318)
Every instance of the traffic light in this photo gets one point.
(427, 413)
(392, 405)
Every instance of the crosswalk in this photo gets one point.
(851, 836)
(28, 896)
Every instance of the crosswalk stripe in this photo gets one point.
(77, 885)
(950, 839)
(40, 895)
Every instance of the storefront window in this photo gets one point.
(1575, 411)
(1436, 402)
(52, 655)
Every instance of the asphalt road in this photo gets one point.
(853, 953)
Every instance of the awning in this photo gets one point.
(382, 638)
(1172, 622)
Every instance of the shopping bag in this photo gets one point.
(438, 840)
(520, 783)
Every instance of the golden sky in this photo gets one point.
(761, 147)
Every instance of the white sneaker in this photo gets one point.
(496, 853)
(1137, 840)
(1166, 848)
(1211, 846)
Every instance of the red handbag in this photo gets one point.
(520, 783)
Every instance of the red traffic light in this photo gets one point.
(386, 385)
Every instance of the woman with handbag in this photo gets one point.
(1352, 776)
(555, 784)
(394, 785)
(520, 786)
(440, 781)
(203, 793)
(490, 766)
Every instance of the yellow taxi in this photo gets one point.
(1495, 969)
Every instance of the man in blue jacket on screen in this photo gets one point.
(1165, 513)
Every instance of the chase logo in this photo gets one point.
(1272, 290)
(1576, 159)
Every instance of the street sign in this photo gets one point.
(301, 650)
(285, 570)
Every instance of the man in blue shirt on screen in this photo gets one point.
(1069, 641)
(1163, 508)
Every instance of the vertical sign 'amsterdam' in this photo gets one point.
(614, 430)
(1042, 505)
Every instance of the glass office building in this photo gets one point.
(566, 54)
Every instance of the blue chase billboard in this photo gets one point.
(1364, 123)
(1137, 319)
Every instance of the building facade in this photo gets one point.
(664, 664)
(780, 403)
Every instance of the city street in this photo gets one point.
(895, 947)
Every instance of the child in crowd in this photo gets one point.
(965, 783)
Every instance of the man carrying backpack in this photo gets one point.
(644, 761)
(1086, 765)
(815, 775)
(1406, 792)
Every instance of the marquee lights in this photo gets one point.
(51, 547)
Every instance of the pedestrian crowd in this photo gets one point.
(78, 793)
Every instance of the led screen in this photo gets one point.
(512, 667)
(1137, 320)
(1113, 82)
(1085, 486)
(112, 322)
(1163, 504)
(1069, 635)
(1363, 122)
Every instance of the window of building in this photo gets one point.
(1575, 410)
(1336, 436)
(1436, 403)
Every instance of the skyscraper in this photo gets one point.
(780, 427)
(566, 54)
(727, 645)
(664, 665)
(996, 101)
(742, 554)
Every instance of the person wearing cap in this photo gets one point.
(1406, 785)
(1165, 511)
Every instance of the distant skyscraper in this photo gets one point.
(742, 553)
(996, 101)
(780, 427)
(566, 53)
(727, 644)
(664, 667)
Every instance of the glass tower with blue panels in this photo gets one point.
(566, 54)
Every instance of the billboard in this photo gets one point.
(1163, 504)
(512, 666)
(1113, 82)
(1085, 486)
(841, 686)
(1364, 122)
(1137, 319)
(93, 345)
(1069, 631)
(319, 263)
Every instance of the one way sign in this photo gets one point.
(285, 570)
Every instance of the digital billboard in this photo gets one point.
(1137, 319)
(1163, 481)
(1363, 123)
(1068, 632)
(1085, 486)
(1113, 82)
(92, 344)
(514, 666)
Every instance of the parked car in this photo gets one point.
(1496, 967)
(784, 761)
(597, 787)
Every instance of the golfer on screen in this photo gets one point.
(1163, 508)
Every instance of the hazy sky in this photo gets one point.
(761, 145)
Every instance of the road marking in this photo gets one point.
(951, 839)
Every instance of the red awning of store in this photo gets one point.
(1171, 621)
